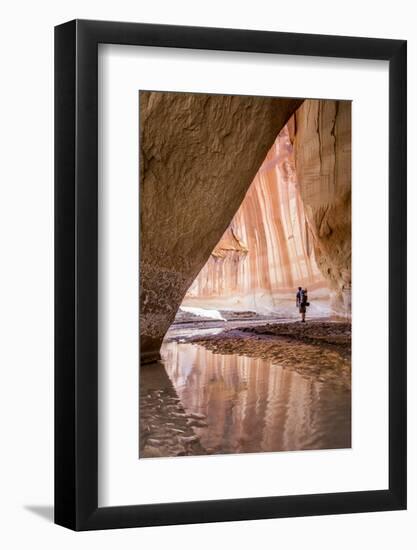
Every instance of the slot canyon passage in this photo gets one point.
(243, 200)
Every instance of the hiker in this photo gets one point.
(303, 304)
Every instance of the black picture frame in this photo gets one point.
(76, 272)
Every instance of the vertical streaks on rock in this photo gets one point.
(273, 232)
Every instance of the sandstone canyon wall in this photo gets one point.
(198, 155)
(321, 135)
(294, 226)
(267, 251)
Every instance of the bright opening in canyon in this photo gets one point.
(268, 249)
(245, 310)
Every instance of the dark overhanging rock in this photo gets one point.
(198, 155)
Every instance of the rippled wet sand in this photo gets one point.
(313, 354)
(241, 393)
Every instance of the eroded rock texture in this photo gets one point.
(267, 250)
(321, 134)
(198, 155)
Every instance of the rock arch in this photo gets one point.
(198, 155)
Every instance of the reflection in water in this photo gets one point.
(252, 405)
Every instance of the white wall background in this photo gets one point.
(26, 274)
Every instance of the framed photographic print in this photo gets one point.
(230, 249)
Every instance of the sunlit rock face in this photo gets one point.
(321, 135)
(267, 251)
(198, 155)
